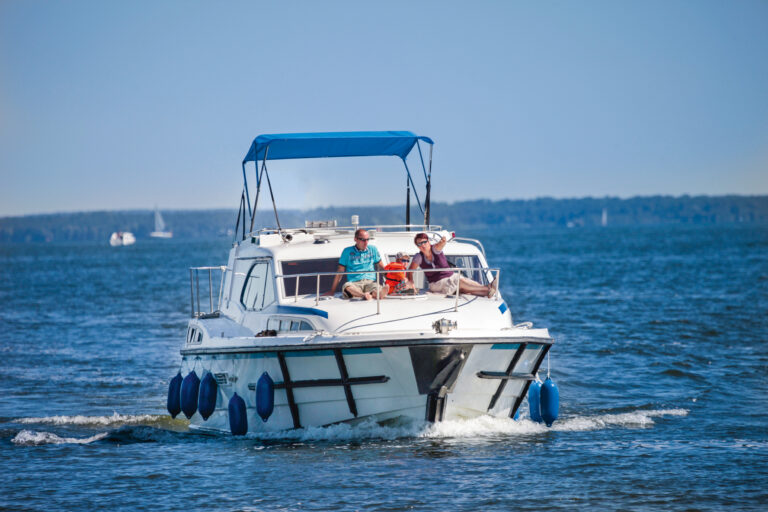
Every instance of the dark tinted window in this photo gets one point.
(308, 284)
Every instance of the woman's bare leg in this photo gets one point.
(473, 288)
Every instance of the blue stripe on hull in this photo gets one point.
(298, 310)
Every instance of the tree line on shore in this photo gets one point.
(542, 212)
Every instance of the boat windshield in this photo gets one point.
(468, 261)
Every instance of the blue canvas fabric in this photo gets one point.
(354, 260)
(281, 146)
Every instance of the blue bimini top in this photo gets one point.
(283, 146)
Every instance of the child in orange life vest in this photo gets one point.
(395, 278)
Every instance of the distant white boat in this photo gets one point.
(160, 231)
(119, 238)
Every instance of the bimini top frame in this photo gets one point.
(286, 146)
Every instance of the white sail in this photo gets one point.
(160, 231)
(159, 223)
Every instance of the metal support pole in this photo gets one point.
(458, 287)
(258, 185)
(191, 295)
(210, 289)
(242, 205)
(197, 286)
(407, 204)
(429, 189)
(245, 185)
(410, 178)
(221, 286)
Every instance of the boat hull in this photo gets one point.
(122, 238)
(319, 387)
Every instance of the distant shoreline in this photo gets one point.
(483, 213)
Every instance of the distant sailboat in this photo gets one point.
(120, 238)
(604, 220)
(160, 231)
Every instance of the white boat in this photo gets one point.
(160, 231)
(266, 341)
(120, 238)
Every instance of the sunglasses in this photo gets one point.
(422, 242)
(363, 239)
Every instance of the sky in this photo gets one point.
(128, 105)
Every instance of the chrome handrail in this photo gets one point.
(380, 228)
(194, 290)
(472, 241)
(318, 275)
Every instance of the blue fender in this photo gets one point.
(265, 396)
(174, 396)
(550, 402)
(238, 421)
(206, 403)
(534, 401)
(190, 387)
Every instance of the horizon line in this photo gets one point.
(399, 205)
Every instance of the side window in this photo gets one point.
(287, 324)
(468, 261)
(259, 288)
(237, 278)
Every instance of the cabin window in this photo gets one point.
(468, 261)
(308, 284)
(258, 290)
(237, 278)
(288, 324)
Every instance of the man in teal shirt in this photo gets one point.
(363, 259)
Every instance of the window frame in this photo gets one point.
(247, 280)
(291, 321)
(288, 284)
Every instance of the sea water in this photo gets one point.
(661, 359)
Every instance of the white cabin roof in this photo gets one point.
(323, 244)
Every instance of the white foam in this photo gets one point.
(480, 427)
(114, 420)
(628, 420)
(343, 432)
(32, 438)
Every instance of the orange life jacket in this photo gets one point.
(394, 278)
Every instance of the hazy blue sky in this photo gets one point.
(113, 105)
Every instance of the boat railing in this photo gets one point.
(490, 273)
(377, 228)
(474, 242)
(215, 288)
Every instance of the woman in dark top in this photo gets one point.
(432, 257)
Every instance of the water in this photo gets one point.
(661, 360)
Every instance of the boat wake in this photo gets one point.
(115, 420)
(480, 427)
(160, 428)
(32, 438)
(124, 428)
